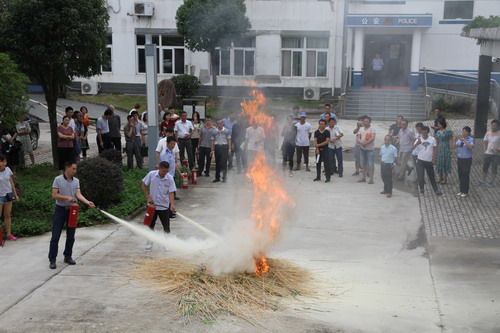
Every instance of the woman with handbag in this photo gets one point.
(23, 130)
(7, 194)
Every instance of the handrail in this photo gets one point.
(450, 73)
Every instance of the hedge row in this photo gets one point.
(33, 214)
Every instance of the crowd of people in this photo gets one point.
(234, 143)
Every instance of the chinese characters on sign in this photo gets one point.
(423, 20)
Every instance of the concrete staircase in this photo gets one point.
(385, 104)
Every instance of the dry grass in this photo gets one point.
(200, 294)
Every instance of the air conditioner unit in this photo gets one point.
(311, 94)
(144, 8)
(89, 88)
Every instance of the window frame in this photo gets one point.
(457, 18)
(232, 59)
(159, 38)
(302, 69)
(109, 46)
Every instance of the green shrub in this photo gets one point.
(101, 181)
(36, 184)
(28, 227)
(461, 106)
(442, 104)
(112, 155)
(186, 85)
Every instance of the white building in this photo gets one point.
(294, 44)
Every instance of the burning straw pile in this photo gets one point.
(197, 293)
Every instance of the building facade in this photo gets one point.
(297, 44)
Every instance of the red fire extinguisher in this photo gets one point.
(194, 178)
(185, 181)
(150, 212)
(73, 215)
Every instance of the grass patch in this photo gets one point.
(33, 214)
(123, 102)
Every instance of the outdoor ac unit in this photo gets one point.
(311, 94)
(89, 88)
(144, 8)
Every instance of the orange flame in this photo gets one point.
(255, 110)
(261, 266)
(269, 198)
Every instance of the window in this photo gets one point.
(238, 59)
(169, 54)
(304, 56)
(109, 46)
(458, 10)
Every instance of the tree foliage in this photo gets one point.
(13, 92)
(55, 41)
(186, 85)
(208, 24)
(482, 22)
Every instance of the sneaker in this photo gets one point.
(11, 237)
(149, 246)
(316, 179)
(340, 175)
(439, 194)
(215, 180)
(307, 169)
(290, 174)
(327, 181)
(173, 215)
(459, 194)
(207, 175)
(361, 180)
(389, 195)
(383, 192)
(464, 195)
(69, 261)
(52, 264)
(370, 181)
(356, 173)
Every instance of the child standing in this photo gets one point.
(7, 194)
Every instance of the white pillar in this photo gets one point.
(349, 48)
(415, 50)
(359, 38)
(415, 59)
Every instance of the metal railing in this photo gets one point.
(343, 96)
(456, 85)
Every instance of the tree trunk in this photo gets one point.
(51, 97)
(215, 70)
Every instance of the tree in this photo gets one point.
(55, 41)
(209, 24)
(13, 92)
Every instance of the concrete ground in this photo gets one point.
(376, 269)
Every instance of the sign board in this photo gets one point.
(391, 21)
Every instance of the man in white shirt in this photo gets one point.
(426, 159)
(183, 130)
(69, 112)
(302, 140)
(335, 148)
(366, 139)
(254, 142)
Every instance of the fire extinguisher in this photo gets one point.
(194, 179)
(73, 215)
(150, 212)
(185, 181)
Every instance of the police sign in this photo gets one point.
(416, 21)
